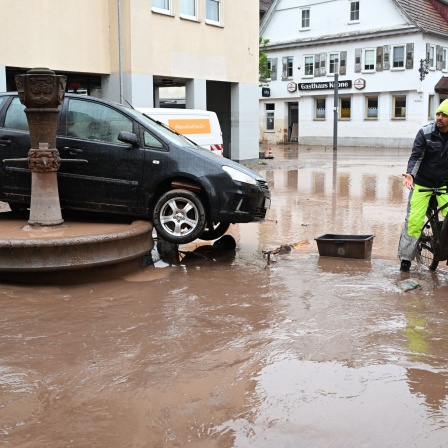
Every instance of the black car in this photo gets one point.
(136, 167)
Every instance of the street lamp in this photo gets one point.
(424, 68)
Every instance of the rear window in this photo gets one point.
(15, 116)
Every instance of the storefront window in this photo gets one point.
(399, 107)
(372, 107)
(431, 107)
(319, 105)
(345, 108)
(270, 109)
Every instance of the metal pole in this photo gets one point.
(120, 52)
(335, 112)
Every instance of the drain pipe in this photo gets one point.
(120, 52)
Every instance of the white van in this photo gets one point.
(200, 126)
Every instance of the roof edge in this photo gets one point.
(338, 38)
(268, 16)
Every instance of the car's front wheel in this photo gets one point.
(179, 216)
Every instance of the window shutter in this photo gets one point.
(439, 52)
(323, 61)
(386, 57)
(285, 68)
(317, 65)
(410, 56)
(379, 59)
(343, 63)
(274, 68)
(358, 54)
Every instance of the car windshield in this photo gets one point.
(167, 132)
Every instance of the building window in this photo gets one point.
(333, 63)
(309, 65)
(163, 6)
(399, 107)
(372, 108)
(345, 108)
(268, 68)
(189, 9)
(290, 67)
(213, 11)
(431, 107)
(398, 56)
(319, 108)
(306, 22)
(431, 57)
(369, 60)
(354, 11)
(270, 109)
(444, 56)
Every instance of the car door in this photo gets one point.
(97, 171)
(15, 176)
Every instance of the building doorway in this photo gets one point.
(293, 122)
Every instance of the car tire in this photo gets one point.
(179, 216)
(214, 230)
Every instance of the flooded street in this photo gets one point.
(231, 351)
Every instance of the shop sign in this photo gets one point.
(265, 91)
(324, 85)
(292, 87)
(359, 83)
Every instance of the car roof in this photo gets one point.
(75, 95)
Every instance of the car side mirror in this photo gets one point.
(128, 137)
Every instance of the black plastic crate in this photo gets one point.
(347, 246)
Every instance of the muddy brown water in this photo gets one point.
(227, 351)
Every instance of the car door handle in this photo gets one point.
(4, 142)
(73, 151)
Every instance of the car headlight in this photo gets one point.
(239, 176)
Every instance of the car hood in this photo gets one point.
(220, 160)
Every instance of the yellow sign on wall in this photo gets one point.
(191, 125)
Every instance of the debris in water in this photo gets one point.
(409, 284)
(282, 250)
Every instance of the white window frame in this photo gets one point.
(351, 20)
(302, 11)
(364, 69)
(305, 57)
(393, 47)
(188, 16)
(445, 59)
(432, 57)
(167, 11)
(394, 99)
(211, 21)
(338, 64)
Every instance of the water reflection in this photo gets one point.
(342, 192)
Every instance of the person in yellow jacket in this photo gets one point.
(427, 168)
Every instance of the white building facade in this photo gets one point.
(388, 57)
(126, 50)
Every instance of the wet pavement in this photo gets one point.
(230, 351)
